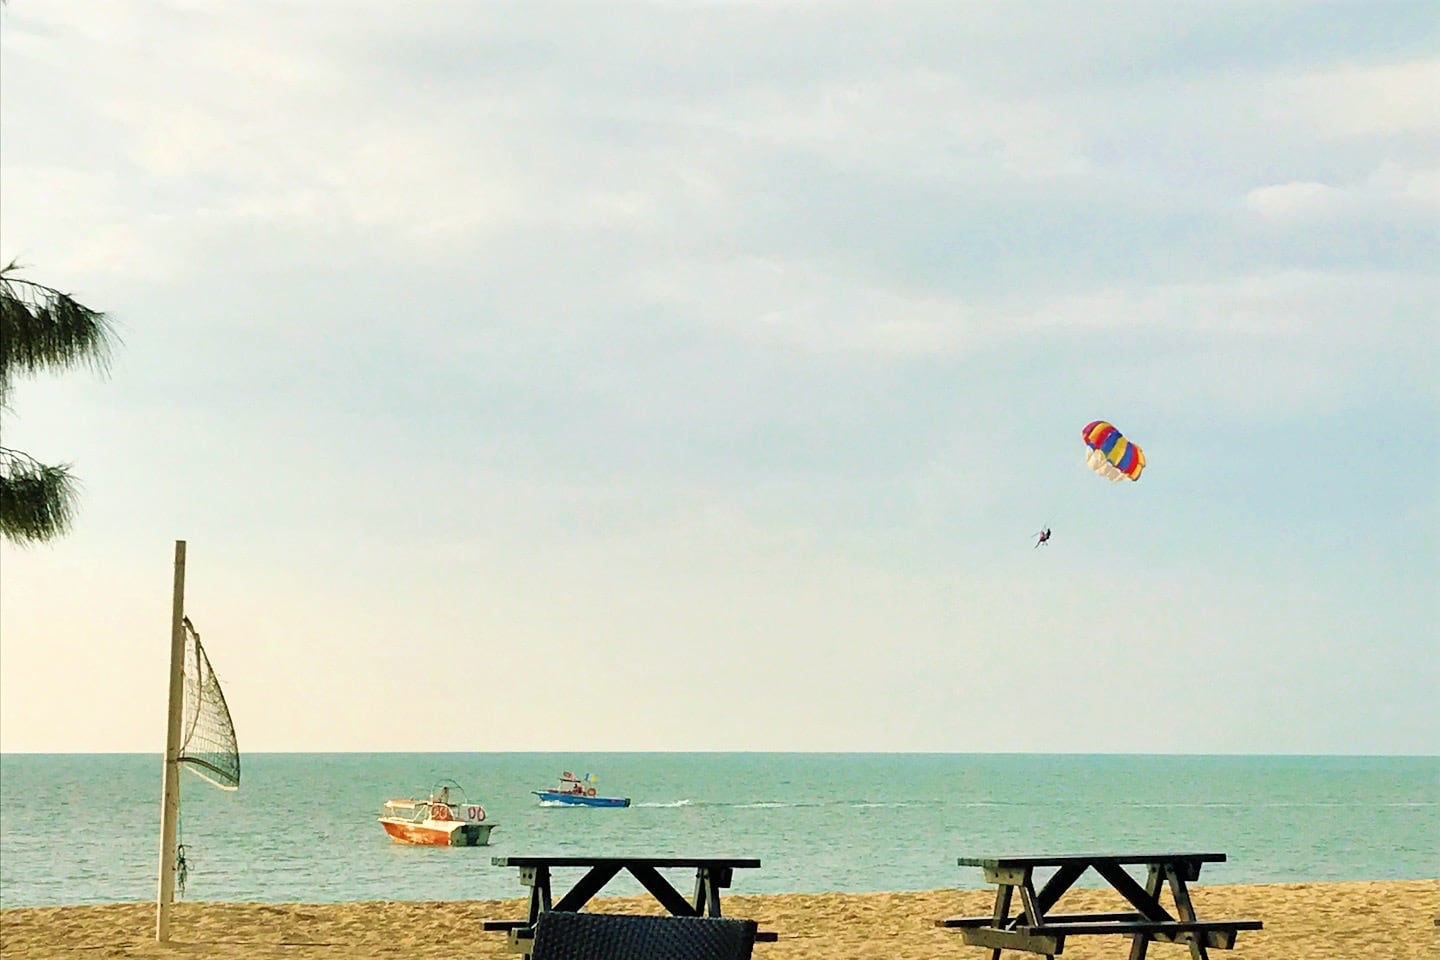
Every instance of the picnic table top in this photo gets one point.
(1067, 859)
(569, 861)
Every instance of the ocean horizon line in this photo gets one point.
(742, 753)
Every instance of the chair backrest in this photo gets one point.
(565, 935)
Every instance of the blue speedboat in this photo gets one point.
(579, 792)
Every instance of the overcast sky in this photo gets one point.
(694, 376)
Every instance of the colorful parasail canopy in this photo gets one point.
(1110, 454)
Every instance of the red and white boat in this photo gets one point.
(438, 820)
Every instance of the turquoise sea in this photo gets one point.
(84, 828)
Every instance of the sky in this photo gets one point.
(695, 376)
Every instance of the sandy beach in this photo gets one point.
(1391, 920)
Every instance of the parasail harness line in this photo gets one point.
(1110, 454)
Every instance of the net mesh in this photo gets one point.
(207, 735)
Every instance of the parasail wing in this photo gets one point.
(1110, 454)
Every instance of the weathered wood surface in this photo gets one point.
(711, 875)
(625, 862)
(1035, 930)
(1031, 861)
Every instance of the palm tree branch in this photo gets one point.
(37, 501)
(41, 327)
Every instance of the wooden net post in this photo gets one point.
(170, 780)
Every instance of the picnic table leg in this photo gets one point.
(1139, 942)
(1002, 912)
(538, 880)
(708, 881)
(1186, 910)
(1031, 911)
(1033, 914)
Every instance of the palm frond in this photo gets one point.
(41, 327)
(37, 502)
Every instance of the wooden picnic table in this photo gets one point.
(712, 874)
(1037, 930)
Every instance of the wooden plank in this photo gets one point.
(1054, 919)
(708, 884)
(503, 924)
(1154, 879)
(1001, 918)
(622, 863)
(539, 883)
(1126, 886)
(1032, 914)
(521, 940)
(1100, 923)
(1183, 907)
(522, 932)
(1060, 860)
(1159, 930)
(1189, 869)
(1009, 876)
(1216, 939)
(1050, 944)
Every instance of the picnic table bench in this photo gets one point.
(712, 874)
(1036, 930)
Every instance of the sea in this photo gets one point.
(84, 829)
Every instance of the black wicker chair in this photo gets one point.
(567, 935)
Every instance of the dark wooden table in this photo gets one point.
(1037, 930)
(712, 874)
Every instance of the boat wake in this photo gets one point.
(782, 804)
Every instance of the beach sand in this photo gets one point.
(1390, 920)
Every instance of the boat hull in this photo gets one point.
(435, 833)
(579, 799)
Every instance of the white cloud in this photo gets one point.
(1423, 186)
(920, 124)
(814, 307)
(1297, 198)
(1391, 190)
(1369, 101)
